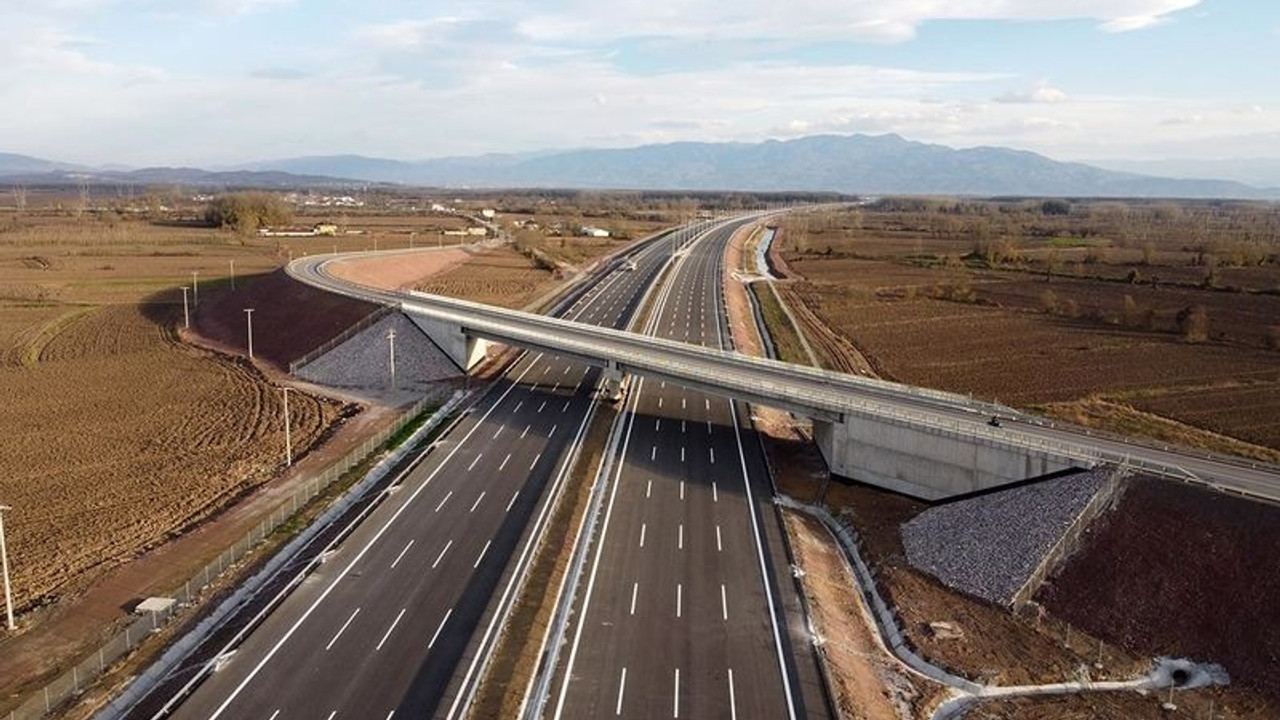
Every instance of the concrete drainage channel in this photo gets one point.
(966, 694)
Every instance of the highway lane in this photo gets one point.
(384, 626)
(688, 608)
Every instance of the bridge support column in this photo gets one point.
(612, 382)
(929, 463)
(465, 351)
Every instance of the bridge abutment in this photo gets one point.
(929, 463)
(463, 349)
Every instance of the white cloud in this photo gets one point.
(1041, 93)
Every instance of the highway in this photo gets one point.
(689, 608)
(397, 619)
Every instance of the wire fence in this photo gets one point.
(72, 683)
(342, 337)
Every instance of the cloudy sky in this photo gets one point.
(211, 82)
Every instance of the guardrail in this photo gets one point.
(72, 682)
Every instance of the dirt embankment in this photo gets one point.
(1182, 571)
(394, 272)
(289, 318)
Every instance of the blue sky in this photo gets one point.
(211, 82)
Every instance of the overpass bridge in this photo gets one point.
(921, 442)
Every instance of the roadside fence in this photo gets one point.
(73, 682)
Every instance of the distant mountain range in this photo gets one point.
(856, 164)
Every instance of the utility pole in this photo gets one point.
(391, 343)
(186, 313)
(233, 274)
(288, 439)
(4, 561)
(195, 288)
(248, 314)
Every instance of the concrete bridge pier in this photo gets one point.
(930, 463)
(612, 382)
(462, 348)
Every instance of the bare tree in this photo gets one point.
(20, 198)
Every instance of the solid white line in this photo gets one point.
(514, 495)
(387, 634)
(477, 459)
(680, 538)
(504, 462)
(724, 603)
(440, 627)
(622, 686)
(675, 705)
(442, 552)
(719, 547)
(635, 590)
(535, 460)
(477, 502)
(733, 700)
(401, 555)
(715, 497)
(642, 529)
(480, 557)
(679, 598)
(342, 629)
(445, 500)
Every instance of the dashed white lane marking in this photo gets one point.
(545, 369)
(659, 402)
(440, 627)
(526, 431)
(679, 599)
(715, 496)
(567, 403)
(622, 686)
(518, 406)
(387, 634)
(553, 430)
(713, 455)
(498, 432)
(707, 402)
(473, 462)
(680, 537)
(733, 701)
(643, 526)
(535, 460)
(657, 424)
(480, 557)
(555, 387)
(567, 368)
(683, 404)
(442, 552)
(475, 504)
(724, 603)
(681, 489)
(719, 545)
(389, 715)
(648, 488)
(445, 500)
(544, 404)
(332, 715)
(681, 454)
(635, 590)
(342, 629)
(514, 495)
(653, 454)
(675, 704)
(396, 562)
(274, 715)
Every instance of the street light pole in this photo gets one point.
(288, 439)
(186, 314)
(4, 561)
(248, 315)
(391, 342)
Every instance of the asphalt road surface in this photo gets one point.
(689, 609)
(389, 625)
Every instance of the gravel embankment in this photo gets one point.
(363, 361)
(987, 546)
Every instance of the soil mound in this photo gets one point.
(289, 320)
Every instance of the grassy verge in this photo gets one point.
(516, 656)
(785, 340)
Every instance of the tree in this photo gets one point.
(247, 212)
(1193, 323)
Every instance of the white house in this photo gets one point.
(589, 231)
